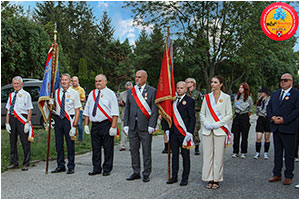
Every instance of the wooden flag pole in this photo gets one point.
(169, 145)
(53, 71)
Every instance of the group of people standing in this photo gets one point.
(210, 116)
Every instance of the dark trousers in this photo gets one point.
(80, 126)
(286, 142)
(17, 128)
(241, 124)
(62, 129)
(135, 138)
(100, 138)
(176, 143)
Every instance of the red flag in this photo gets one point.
(165, 93)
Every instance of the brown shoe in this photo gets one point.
(287, 181)
(275, 178)
(122, 149)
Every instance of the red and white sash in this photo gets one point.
(178, 122)
(141, 102)
(67, 115)
(103, 111)
(217, 116)
(23, 120)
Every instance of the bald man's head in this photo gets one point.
(100, 81)
(141, 77)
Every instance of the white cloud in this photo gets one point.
(102, 4)
(124, 26)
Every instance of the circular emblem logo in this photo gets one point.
(183, 102)
(221, 100)
(279, 21)
(287, 98)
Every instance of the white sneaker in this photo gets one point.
(256, 155)
(297, 159)
(235, 155)
(243, 155)
(297, 186)
(266, 156)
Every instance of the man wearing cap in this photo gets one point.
(196, 95)
(18, 115)
(140, 119)
(67, 106)
(102, 110)
(122, 102)
(283, 110)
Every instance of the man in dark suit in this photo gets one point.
(140, 118)
(186, 109)
(283, 110)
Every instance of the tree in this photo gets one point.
(24, 47)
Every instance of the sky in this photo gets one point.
(121, 18)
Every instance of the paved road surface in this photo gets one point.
(243, 178)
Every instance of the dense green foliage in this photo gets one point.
(209, 37)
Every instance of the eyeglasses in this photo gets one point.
(285, 80)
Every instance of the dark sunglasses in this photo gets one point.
(284, 80)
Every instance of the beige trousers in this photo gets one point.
(213, 157)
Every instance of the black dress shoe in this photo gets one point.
(183, 182)
(70, 171)
(172, 180)
(106, 174)
(94, 173)
(146, 179)
(133, 177)
(165, 151)
(58, 169)
(12, 166)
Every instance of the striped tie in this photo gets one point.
(96, 104)
(62, 107)
(11, 108)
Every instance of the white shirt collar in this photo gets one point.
(181, 97)
(287, 90)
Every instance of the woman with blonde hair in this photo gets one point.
(216, 113)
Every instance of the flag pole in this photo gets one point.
(169, 145)
(53, 71)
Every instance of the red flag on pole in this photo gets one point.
(165, 93)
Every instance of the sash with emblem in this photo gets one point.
(178, 122)
(67, 115)
(22, 119)
(217, 116)
(141, 102)
(103, 111)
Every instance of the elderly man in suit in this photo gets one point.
(185, 116)
(140, 118)
(283, 110)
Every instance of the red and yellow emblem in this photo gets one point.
(183, 102)
(287, 98)
(279, 21)
(221, 100)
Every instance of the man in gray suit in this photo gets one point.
(140, 118)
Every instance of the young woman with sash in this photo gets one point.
(216, 113)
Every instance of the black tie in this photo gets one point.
(178, 101)
(96, 104)
(62, 106)
(282, 93)
(263, 104)
(11, 108)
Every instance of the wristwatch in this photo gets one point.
(75, 126)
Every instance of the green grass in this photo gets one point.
(39, 147)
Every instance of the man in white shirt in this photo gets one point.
(103, 110)
(18, 105)
(67, 107)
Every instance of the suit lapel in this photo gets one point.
(283, 100)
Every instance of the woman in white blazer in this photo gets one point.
(215, 115)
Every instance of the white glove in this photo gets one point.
(126, 129)
(26, 127)
(112, 131)
(207, 126)
(188, 136)
(168, 135)
(214, 125)
(150, 130)
(72, 131)
(8, 129)
(87, 129)
(51, 101)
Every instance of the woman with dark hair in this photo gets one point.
(216, 113)
(243, 105)
(263, 123)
